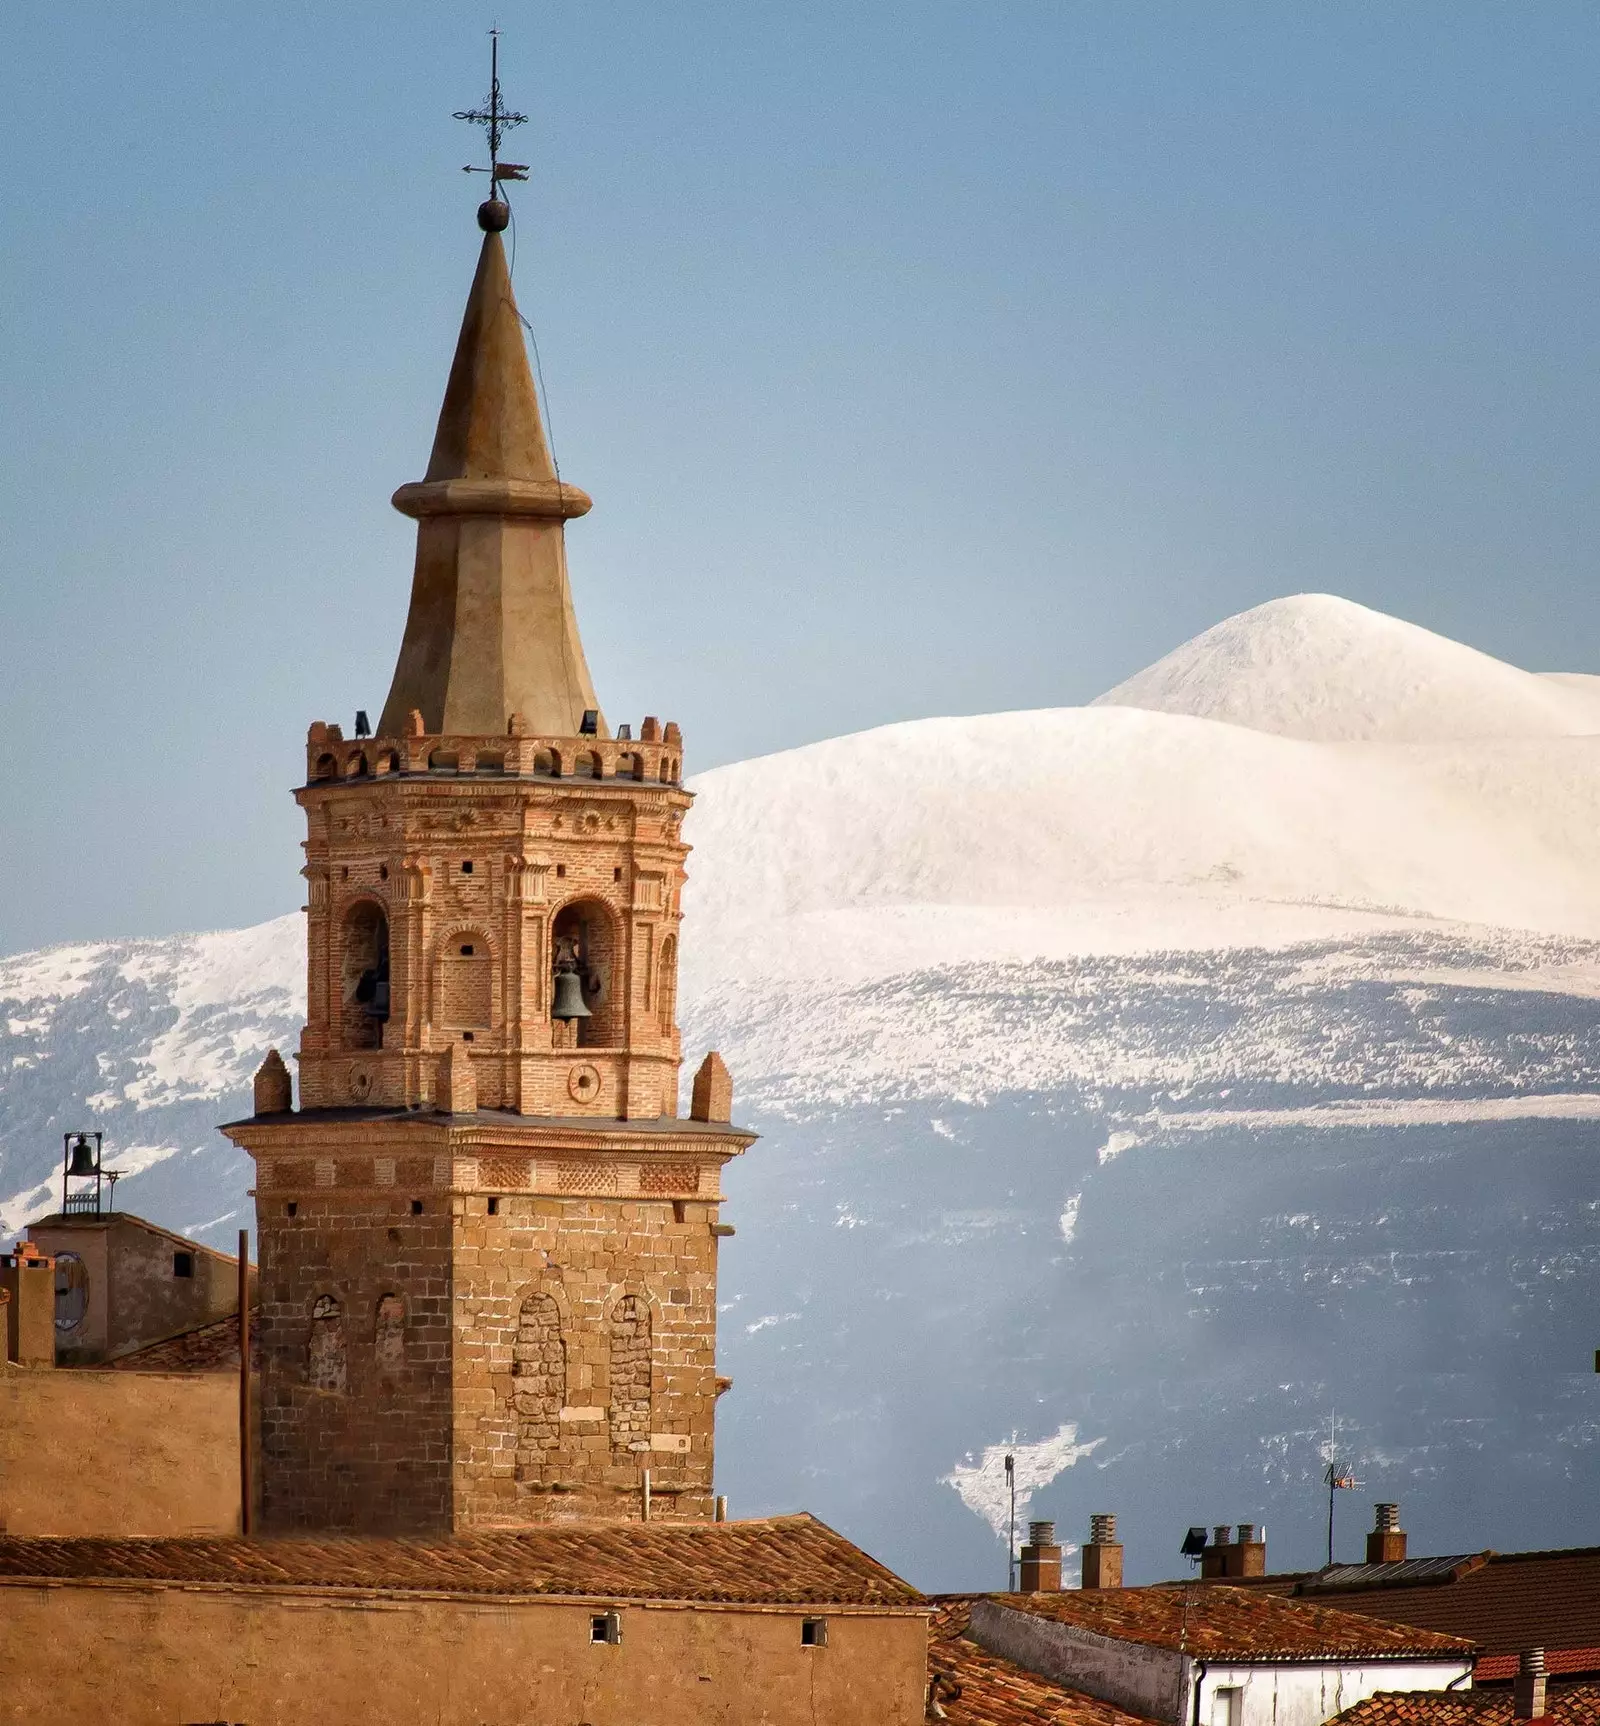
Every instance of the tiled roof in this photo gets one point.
(1565, 1705)
(1506, 1602)
(210, 1347)
(1219, 1623)
(1495, 1668)
(977, 1688)
(781, 1560)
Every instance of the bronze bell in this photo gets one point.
(82, 1157)
(569, 997)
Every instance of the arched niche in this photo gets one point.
(585, 931)
(631, 1338)
(667, 986)
(364, 974)
(538, 1384)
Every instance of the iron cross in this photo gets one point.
(496, 121)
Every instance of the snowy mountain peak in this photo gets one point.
(1318, 667)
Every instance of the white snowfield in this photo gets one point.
(1216, 800)
(1330, 671)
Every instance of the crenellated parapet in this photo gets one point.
(655, 757)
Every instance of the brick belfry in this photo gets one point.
(487, 1240)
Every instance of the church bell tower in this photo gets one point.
(487, 1239)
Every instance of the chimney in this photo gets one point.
(1527, 1691)
(1387, 1542)
(1214, 1560)
(1250, 1551)
(28, 1277)
(1102, 1557)
(1040, 1570)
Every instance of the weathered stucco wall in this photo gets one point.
(148, 1656)
(1134, 1675)
(118, 1453)
(135, 1294)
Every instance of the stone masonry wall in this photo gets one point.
(609, 1305)
(355, 1360)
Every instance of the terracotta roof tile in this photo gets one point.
(1217, 1623)
(1493, 1668)
(977, 1688)
(1565, 1705)
(210, 1347)
(781, 1560)
(1507, 1602)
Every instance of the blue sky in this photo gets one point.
(919, 358)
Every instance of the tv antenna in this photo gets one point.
(1337, 1475)
(496, 120)
(1011, 1533)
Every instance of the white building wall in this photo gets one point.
(1161, 1684)
(1307, 1694)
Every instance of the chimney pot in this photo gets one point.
(1386, 1544)
(1528, 1699)
(1039, 1569)
(1102, 1556)
(1222, 1534)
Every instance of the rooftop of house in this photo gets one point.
(773, 1561)
(210, 1347)
(1565, 1705)
(976, 1688)
(58, 1221)
(1217, 1622)
(1558, 1663)
(1503, 1601)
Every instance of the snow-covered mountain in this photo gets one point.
(1138, 1084)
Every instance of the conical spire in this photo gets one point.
(489, 426)
(491, 630)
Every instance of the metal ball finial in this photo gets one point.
(494, 216)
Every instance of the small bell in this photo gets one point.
(82, 1157)
(569, 997)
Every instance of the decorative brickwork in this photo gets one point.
(669, 1178)
(587, 1178)
(505, 1174)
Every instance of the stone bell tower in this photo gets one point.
(488, 1241)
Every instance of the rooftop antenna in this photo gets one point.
(1337, 1476)
(496, 120)
(1011, 1532)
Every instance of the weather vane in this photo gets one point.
(496, 121)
